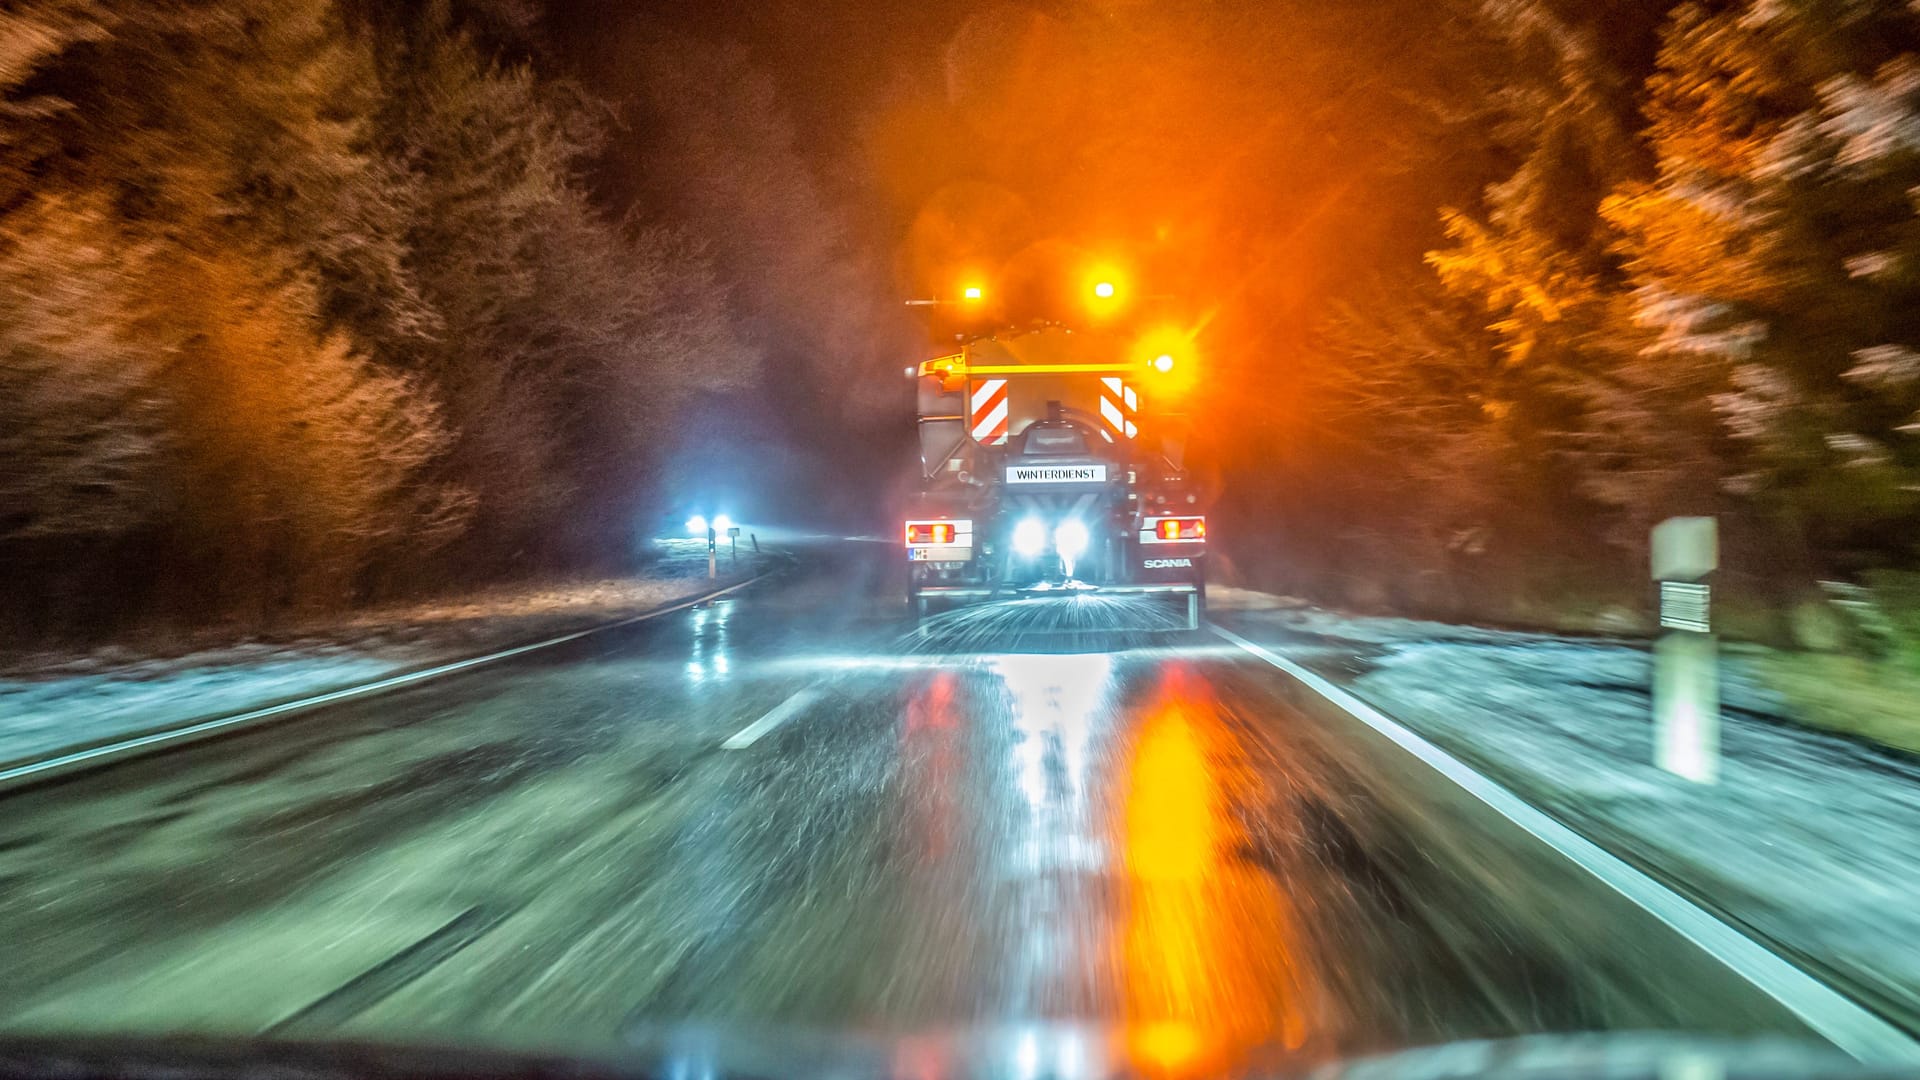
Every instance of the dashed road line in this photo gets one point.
(794, 705)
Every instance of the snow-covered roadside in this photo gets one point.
(51, 702)
(1810, 840)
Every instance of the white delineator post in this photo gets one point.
(1686, 658)
(713, 553)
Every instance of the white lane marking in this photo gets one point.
(124, 746)
(1835, 1017)
(779, 714)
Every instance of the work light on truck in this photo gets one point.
(1030, 537)
(1071, 539)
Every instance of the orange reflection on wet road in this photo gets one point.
(1212, 964)
(1083, 876)
(928, 755)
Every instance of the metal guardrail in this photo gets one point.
(78, 759)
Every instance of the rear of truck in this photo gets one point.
(1048, 470)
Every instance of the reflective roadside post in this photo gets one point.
(1686, 676)
(713, 552)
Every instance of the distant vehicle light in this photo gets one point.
(1104, 290)
(973, 292)
(1071, 539)
(722, 523)
(1163, 362)
(697, 525)
(1030, 537)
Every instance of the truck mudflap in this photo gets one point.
(1193, 594)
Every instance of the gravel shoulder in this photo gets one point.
(1808, 840)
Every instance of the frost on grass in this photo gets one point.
(1807, 839)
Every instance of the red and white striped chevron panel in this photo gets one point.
(987, 411)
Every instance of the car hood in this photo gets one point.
(1004, 1052)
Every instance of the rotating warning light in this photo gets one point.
(1169, 359)
(973, 292)
(1103, 289)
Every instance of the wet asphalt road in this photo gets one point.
(568, 848)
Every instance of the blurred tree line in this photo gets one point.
(1688, 288)
(310, 302)
(1482, 288)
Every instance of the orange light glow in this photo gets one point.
(1171, 824)
(1167, 355)
(1166, 1045)
(1214, 966)
(1107, 286)
(973, 292)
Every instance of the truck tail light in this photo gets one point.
(929, 532)
(1186, 528)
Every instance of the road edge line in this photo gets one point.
(48, 768)
(1837, 1018)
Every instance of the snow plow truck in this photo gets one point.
(1049, 468)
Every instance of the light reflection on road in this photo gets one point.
(1054, 849)
(708, 657)
(1143, 863)
(1058, 703)
(1213, 959)
(1126, 889)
